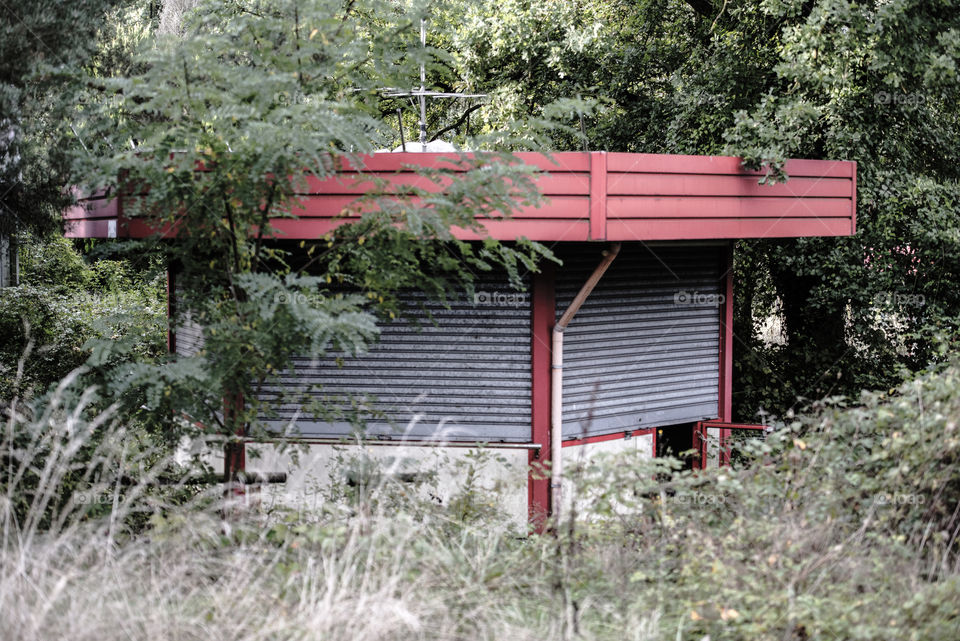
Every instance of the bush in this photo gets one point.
(54, 263)
(842, 525)
(45, 331)
(64, 305)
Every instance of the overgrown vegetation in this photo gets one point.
(844, 526)
(68, 303)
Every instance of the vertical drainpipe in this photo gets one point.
(556, 379)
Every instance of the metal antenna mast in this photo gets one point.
(423, 87)
(422, 93)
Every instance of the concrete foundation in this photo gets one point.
(318, 473)
(576, 457)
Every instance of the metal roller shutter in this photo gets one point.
(189, 338)
(643, 350)
(189, 334)
(466, 376)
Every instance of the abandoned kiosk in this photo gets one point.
(627, 345)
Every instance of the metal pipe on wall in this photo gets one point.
(556, 378)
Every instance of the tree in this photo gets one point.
(41, 44)
(876, 83)
(871, 82)
(214, 134)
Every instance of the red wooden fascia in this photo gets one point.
(598, 195)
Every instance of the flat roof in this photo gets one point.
(589, 196)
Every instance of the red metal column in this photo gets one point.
(726, 352)
(598, 195)
(726, 362)
(543, 318)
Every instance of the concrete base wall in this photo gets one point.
(713, 447)
(316, 472)
(577, 456)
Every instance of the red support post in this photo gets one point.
(235, 451)
(543, 318)
(726, 352)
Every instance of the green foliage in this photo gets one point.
(65, 306)
(54, 264)
(875, 83)
(42, 43)
(838, 521)
(227, 123)
(42, 331)
(842, 526)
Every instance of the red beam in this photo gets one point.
(724, 185)
(327, 206)
(633, 207)
(589, 196)
(680, 164)
(726, 336)
(598, 195)
(601, 438)
(558, 184)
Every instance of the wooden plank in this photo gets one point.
(853, 202)
(598, 196)
(725, 207)
(79, 228)
(92, 208)
(568, 183)
(678, 164)
(555, 162)
(707, 228)
(326, 206)
(541, 230)
(724, 185)
(571, 230)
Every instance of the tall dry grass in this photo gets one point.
(794, 547)
(85, 555)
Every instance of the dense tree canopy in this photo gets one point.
(224, 122)
(872, 82)
(43, 44)
(257, 89)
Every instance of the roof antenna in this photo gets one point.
(403, 144)
(423, 87)
(422, 94)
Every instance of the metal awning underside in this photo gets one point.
(591, 196)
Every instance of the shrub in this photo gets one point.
(43, 337)
(795, 544)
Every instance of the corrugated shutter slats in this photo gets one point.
(464, 376)
(643, 350)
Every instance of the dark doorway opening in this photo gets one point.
(679, 441)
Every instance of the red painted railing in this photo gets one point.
(590, 196)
